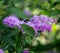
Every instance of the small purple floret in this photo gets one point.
(11, 21)
(27, 12)
(1, 51)
(25, 51)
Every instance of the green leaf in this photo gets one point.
(28, 40)
(54, 12)
(32, 52)
(8, 40)
(28, 30)
(6, 51)
(57, 6)
(13, 33)
(16, 12)
(57, 0)
(18, 50)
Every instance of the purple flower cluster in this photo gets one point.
(12, 21)
(25, 51)
(1, 51)
(42, 22)
(38, 23)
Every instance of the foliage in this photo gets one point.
(12, 40)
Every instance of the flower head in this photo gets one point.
(42, 22)
(27, 12)
(38, 23)
(35, 19)
(43, 18)
(25, 51)
(11, 21)
(1, 51)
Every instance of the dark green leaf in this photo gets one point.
(18, 50)
(28, 40)
(16, 12)
(54, 12)
(8, 40)
(28, 30)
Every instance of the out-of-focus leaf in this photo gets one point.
(53, 1)
(28, 40)
(24, 42)
(29, 33)
(18, 3)
(18, 50)
(17, 12)
(54, 12)
(57, 0)
(1, 4)
(42, 40)
(45, 5)
(13, 33)
(43, 12)
(28, 30)
(57, 6)
(35, 42)
(6, 46)
(2, 12)
(58, 36)
(8, 40)
(32, 52)
(36, 11)
(6, 51)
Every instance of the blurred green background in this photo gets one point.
(50, 8)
